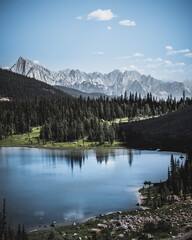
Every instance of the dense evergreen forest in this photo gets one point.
(70, 119)
(15, 86)
(178, 184)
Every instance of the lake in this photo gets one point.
(42, 185)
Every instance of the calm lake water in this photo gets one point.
(41, 185)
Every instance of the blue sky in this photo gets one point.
(152, 37)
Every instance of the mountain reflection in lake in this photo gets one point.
(42, 185)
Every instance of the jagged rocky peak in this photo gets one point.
(21, 66)
(113, 83)
(75, 73)
(30, 69)
(132, 75)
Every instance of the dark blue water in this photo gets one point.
(70, 186)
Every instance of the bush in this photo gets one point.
(149, 227)
(163, 226)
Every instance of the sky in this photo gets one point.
(152, 37)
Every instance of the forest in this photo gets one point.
(70, 119)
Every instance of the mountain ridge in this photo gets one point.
(113, 83)
(14, 86)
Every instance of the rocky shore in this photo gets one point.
(172, 221)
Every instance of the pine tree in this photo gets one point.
(4, 222)
(111, 135)
(18, 237)
(24, 235)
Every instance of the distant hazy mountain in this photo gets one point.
(113, 83)
(76, 93)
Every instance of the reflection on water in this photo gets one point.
(77, 158)
(130, 156)
(67, 186)
(73, 158)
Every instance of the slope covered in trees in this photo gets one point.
(16, 86)
(171, 131)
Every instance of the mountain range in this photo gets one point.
(114, 83)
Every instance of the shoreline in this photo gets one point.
(128, 224)
(138, 207)
(60, 225)
(69, 148)
(79, 148)
(32, 140)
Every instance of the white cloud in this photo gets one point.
(174, 71)
(188, 55)
(132, 66)
(128, 23)
(123, 69)
(124, 57)
(170, 64)
(180, 64)
(153, 60)
(109, 28)
(101, 15)
(134, 55)
(148, 60)
(7, 68)
(36, 61)
(174, 52)
(167, 62)
(138, 54)
(154, 65)
(79, 17)
(169, 47)
(158, 60)
(98, 53)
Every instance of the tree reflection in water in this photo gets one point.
(77, 158)
(72, 158)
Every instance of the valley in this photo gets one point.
(96, 120)
(60, 129)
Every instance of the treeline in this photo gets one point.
(92, 128)
(178, 184)
(72, 118)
